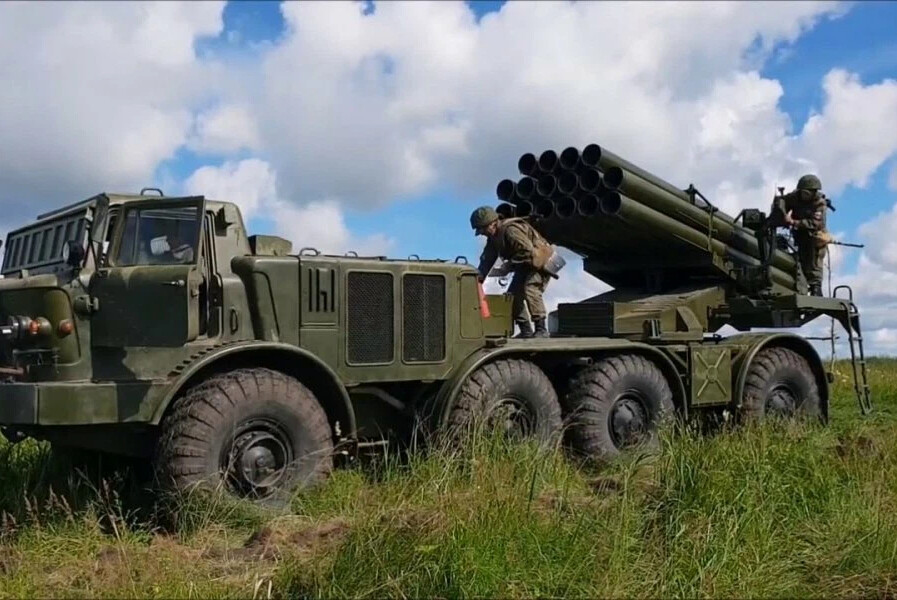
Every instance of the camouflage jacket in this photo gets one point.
(809, 214)
(515, 241)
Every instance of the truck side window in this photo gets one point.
(159, 236)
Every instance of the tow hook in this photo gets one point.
(86, 305)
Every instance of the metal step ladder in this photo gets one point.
(857, 353)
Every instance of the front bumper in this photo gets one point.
(79, 403)
(18, 404)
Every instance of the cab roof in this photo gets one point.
(118, 199)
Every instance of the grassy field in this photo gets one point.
(771, 512)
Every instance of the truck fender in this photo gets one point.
(292, 360)
(449, 391)
(757, 342)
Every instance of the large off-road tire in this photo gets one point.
(255, 433)
(780, 383)
(615, 405)
(512, 396)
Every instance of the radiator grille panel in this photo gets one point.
(423, 305)
(587, 319)
(370, 335)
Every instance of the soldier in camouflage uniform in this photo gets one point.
(517, 242)
(804, 210)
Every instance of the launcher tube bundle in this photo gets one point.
(634, 229)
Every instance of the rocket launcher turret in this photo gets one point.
(637, 231)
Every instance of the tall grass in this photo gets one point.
(771, 511)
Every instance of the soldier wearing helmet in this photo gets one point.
(804, 211)
(527, 253)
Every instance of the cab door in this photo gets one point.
(148, 293)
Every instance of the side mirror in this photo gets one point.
(73, 253)
(100, 212)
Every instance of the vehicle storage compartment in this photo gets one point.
(272, 284)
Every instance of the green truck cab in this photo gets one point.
(155, 327)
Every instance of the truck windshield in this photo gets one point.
(159, 236)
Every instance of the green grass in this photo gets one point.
(766, 512)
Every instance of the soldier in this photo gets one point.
(527, 253)
(804, 210)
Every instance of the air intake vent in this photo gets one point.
(370, 335)
(586, 318)
(423, 318)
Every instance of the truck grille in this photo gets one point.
(370, 336)
(423, 318)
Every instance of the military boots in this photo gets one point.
(526, 330)
(541, 330)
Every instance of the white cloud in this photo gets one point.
(252, 185)
(95, 95)
(879, 235)
(321, 225)
(855, 132)
(225, 129)
(248, 183)
(419, 95)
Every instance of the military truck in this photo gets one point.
(156, 327)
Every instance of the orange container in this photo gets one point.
(484, 305)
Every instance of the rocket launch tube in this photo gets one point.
(595, 156)
(565, 207)
(569, 159)
(645, 217)
(525, 188)
(505, 189)
(723, 229)
(505, 210)
(528, 164)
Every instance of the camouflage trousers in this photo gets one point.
(527, 289)
(812, 263)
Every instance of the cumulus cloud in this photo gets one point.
(252, 185)
(225, 129)
(321, 225)
(856, 131)
(419, 95)
(248, 183)
(95, 95)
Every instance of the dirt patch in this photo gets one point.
(564, 504)
(274, 541)
(271, 541)
(413, 520)
(606, 486)
(857, 446)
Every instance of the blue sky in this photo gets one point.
(863, 41)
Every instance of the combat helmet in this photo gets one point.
(482, 217)
(809, 182)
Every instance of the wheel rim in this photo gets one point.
(629, 420)
(258, 459)
(781, 402)
(511, 417)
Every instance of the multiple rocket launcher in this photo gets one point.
(629, 224)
